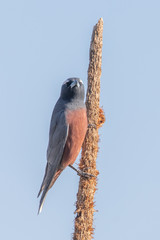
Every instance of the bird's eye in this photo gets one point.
(68, 83)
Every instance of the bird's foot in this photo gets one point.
(81, 173)
(92, 125)
(84, 174)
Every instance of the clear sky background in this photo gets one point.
(42, 43)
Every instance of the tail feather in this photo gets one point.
(45, 189)
(55, 178)
(43, 182)
(42, 200)
(41, 189)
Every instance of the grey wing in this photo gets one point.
(57, 139)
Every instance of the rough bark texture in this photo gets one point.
(85, 197)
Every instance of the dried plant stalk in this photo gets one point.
(85, 197)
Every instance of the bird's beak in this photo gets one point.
(74, 83)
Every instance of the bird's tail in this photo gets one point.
(45, 189)
(43, 182)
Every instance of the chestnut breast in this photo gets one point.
(77, 120)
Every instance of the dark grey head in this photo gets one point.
(72, 88)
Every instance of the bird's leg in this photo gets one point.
(92, 125)
(81, 173)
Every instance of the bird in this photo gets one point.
(68, 128)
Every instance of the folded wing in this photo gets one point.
(57, 139)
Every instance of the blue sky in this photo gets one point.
(43, 43)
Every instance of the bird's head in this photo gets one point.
(72, 88)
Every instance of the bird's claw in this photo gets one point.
(81, 173)
(92, 125)
(84, 174)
